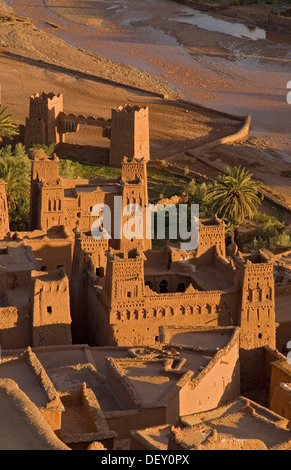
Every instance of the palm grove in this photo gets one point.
(234, 196)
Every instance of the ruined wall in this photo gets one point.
(52, 412)
(51, 319)
(120, 387)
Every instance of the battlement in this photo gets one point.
(211, 234)
(46, 96)
(128, 128)
(41, 103)
(134, 170)
(123, 256)
(129, 134)
(130, 110)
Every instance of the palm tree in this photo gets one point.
(17, 179)
(234, 196)
(7, 127)
(47, 148)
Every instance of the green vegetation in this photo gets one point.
(162, 184)
(7, 127)
(15, 168)
(47, 148)
(235, 193)
(272, 233)
(85, 169)
(233, 197)
(165, 184)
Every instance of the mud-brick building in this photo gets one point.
(140, 291)
(34, 304)
(127, 130)
(57, 201)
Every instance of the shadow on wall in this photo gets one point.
(17, 337)
(47, 335)
(50, 335)
(83, 152)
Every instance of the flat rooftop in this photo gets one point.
(69, 378)
(151, 373)
(242, 419)
(155, 438)
(24, 369)
(17, 257)
(69, 367)
(148, 379)
(201, 339)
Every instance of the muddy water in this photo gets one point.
(252, 82)
(213, 24)
(238, 30)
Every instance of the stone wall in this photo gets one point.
(14, 327)
(83, 152)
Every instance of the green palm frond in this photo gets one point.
(18, 183)
(7, 127)
(234, 196)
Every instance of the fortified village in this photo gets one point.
(107, 343)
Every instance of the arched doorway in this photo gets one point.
(181, 287)
(163, 286)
